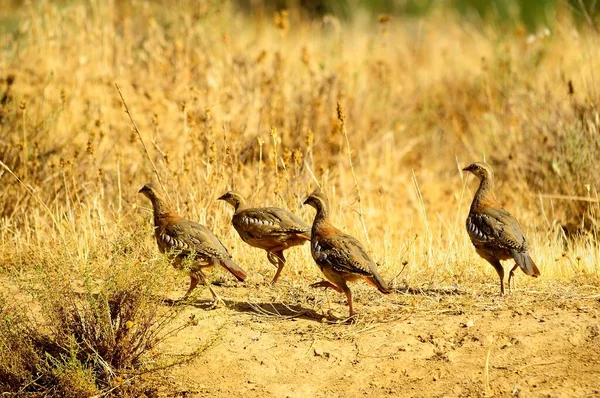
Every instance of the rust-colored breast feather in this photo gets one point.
(485, 202)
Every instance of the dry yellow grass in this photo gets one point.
(227, 101)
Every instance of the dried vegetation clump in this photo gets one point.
(87, 327)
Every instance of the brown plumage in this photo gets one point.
(495, 233)
(269, 228)
(187, 239)
(340, 257)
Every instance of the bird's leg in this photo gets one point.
(193, 283)
(216, 298)
(511, 275)
(281, 263)
(199, 276)
(273, 259)
(326, 284)
(349, 298)
(498, 267)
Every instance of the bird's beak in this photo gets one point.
(222, 197)
(305, 201)
(468, 168)
(141, 190)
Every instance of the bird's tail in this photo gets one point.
(300, 234)
(235, 269)
(526, 263)
(304, 235)
(377, 281)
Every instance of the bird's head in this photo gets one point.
(233, 198)
(317, 199)
(149, 191)
(481, 169)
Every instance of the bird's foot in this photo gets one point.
(326, 285)
(217, 302)
(350, 320)
(275, 279)
(334, 318)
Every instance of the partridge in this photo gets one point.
(495, 233)
(340, 257)
(185, 239)
(269, 228)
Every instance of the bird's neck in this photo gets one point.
(240, 206)
(485, 193)
(161, 210)
(322, 216)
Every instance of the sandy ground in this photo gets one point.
(283, 342)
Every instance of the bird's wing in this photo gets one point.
(495, 226)
(344, 254)
(188, 236)
(290, 221)
(269, 221)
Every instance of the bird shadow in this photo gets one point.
(279, 310)
(429, 291)
(200, 304)
(267, 310)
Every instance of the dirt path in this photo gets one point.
(538, 344)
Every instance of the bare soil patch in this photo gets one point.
(281, 342)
